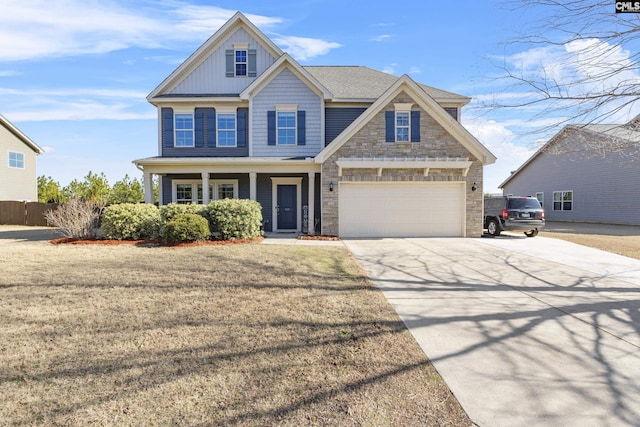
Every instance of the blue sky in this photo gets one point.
(74, 74)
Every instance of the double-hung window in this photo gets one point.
(563, 200)
(240, 63)
(402, 126)
(227, 130)
(16, 160)
(286, 132)
(184, 130)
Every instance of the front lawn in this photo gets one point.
(209, 335)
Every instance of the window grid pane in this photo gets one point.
(16, 160)
(241, 63)
(184, 130)
(286, 128)
(184, 193)
(225, 191)
(402, 127)
(226, 130)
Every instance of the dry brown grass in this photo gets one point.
(209, 335)
(621, 245)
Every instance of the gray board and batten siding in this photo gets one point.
(210, 76)
(604, 189)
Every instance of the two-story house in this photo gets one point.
(346, 151)
(18, 178)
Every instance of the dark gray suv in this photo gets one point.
(502, 213)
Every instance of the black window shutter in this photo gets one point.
(415, 126)
(198, 125)
(230, 63)
(211, 127)
(242, 129)
(167, 126)
(271, 127)
(302, 128)
(390, 126)
(251, 59)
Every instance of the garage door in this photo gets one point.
(401, 209)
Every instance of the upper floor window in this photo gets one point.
(241, 63)
(402, 126)
(16, 160)
(286, 128)
(184, 130)
(226, 130)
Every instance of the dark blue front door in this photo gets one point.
(287, 207)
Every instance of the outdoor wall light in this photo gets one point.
(331, 186)
(474, 187)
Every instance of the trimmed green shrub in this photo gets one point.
(131, 221)
(185, 227)
(234, 218)
(168, 212)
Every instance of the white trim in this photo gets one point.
(426, 164)
(285, 61)
(424, 101)
(287, 108)
(226, 109)
(562, 201)
(20, 153)
(240, 46)
(175, 129)
(235, 129)
(214, 183)
(295, 127)
(194, 189)
(403, 108)
(275, 181)
(214, 42)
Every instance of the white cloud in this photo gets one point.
(497, 137)
(381, 37)
(80, 110)
(303, 48)
(390, 69)
(37, 29)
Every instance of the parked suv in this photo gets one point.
(503, 213)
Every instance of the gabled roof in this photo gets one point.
(363, 83)
(285, 61)
(202, 53)
(614, 133)
(21, 136)
(428, 104)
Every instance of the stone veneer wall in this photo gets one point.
(435, 141)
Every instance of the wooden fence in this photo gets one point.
(24, 213)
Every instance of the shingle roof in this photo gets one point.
(357, 82)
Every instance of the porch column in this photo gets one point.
(205, 188)
(253, 177)
(311, 205)
(148, 187)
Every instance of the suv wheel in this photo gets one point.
(493, 228)
(532, 233)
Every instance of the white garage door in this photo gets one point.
(375, 209)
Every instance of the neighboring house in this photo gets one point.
(18, 179)
(346, 151)
(585, 173)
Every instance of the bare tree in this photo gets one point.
(580, 66)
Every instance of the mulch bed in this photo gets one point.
(151, 242)
(317, 237)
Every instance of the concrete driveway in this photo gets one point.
(526, 332)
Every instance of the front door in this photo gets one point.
(287, 207)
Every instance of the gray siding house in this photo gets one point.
(337, 150)
(18, 180)
(586, 173)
